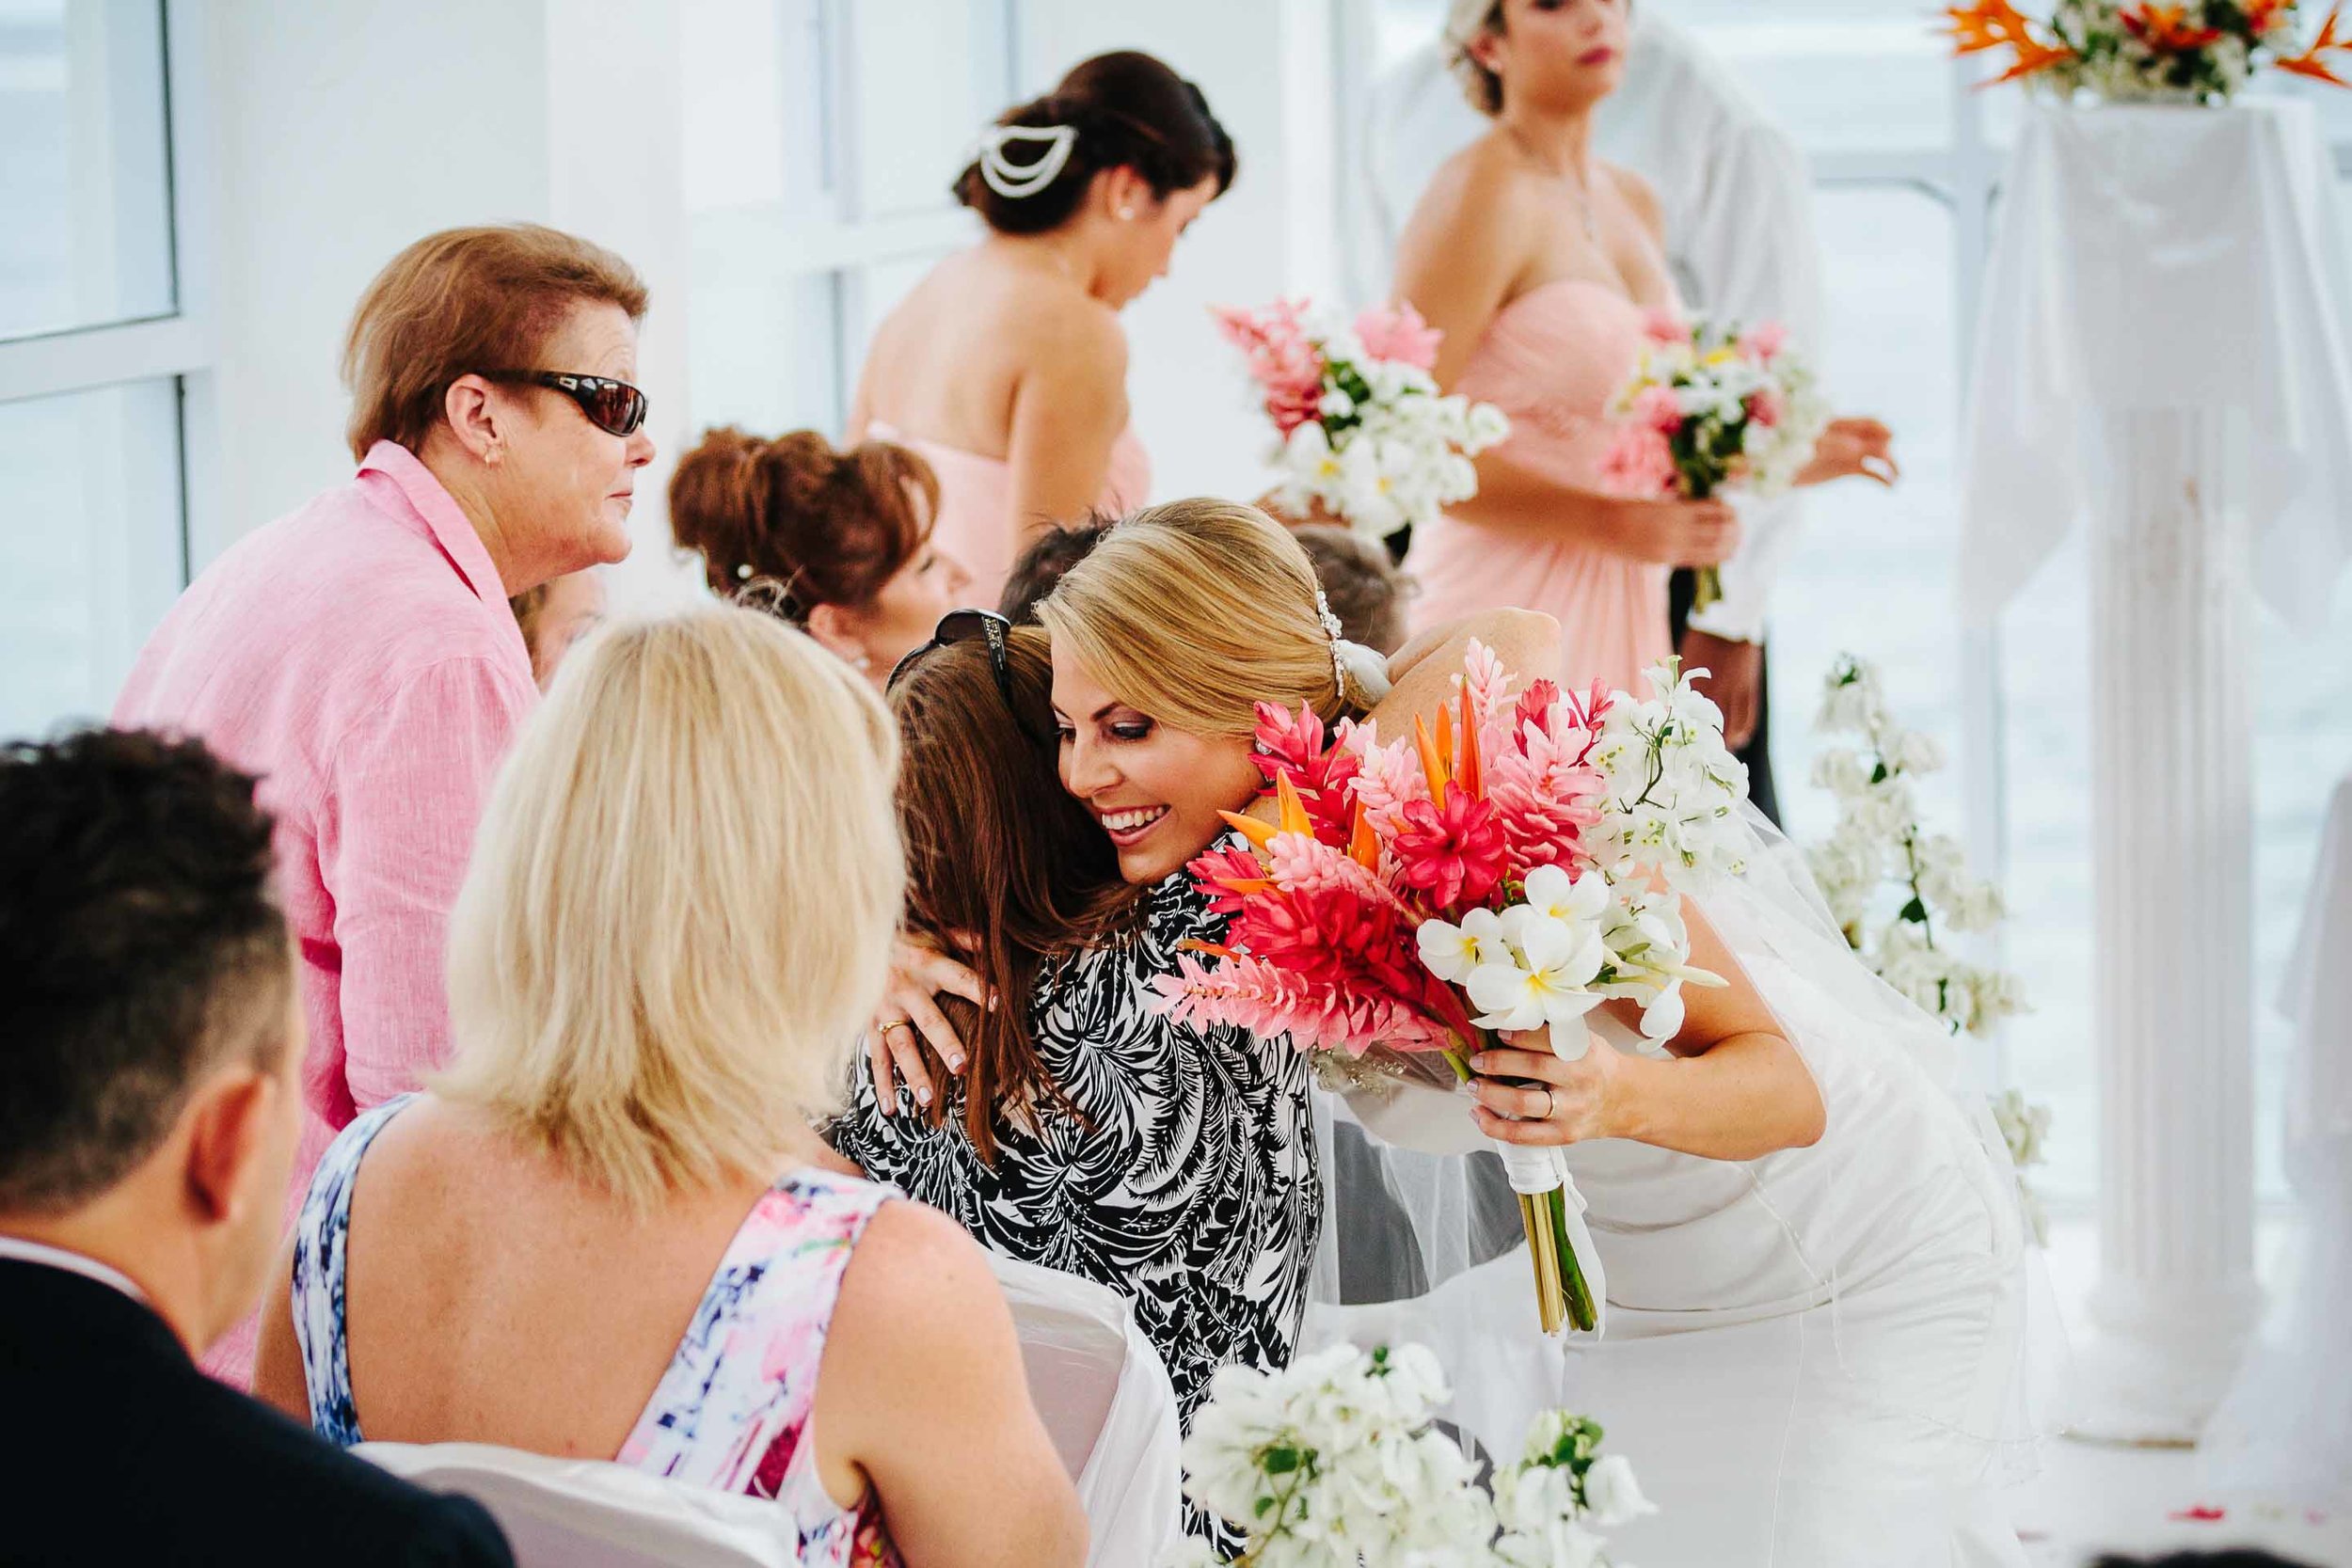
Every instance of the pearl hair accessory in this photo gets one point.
(1014, 180)
(1126, 214)
(1355, 669)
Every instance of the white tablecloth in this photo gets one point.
(2093, 306)
(2286, 1430)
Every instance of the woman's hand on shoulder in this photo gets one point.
(922, 1389)
(910, 1034)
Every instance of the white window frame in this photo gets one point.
(177, 345)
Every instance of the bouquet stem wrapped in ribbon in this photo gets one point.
(1506, 872)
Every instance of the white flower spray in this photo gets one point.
(1333, 1463)
(1879, 846)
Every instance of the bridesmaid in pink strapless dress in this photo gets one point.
(975, 523)
(1551, 359)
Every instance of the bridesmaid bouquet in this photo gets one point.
(1361, 429)
(2194, 52)
(1334, 1460)
(1509, 871)
(1714, 407)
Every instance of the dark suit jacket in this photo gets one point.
(114, 1448)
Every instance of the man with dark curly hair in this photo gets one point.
(148, 1107)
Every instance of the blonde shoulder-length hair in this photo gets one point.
(679, 909)
(1194, 613)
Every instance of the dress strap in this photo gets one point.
(322, 1245)
(731, 1409)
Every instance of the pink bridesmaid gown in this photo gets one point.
(1551, 361)
(976, 523)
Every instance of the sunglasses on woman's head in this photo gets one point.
(613, 406)
(971, 625)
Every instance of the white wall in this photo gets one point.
(341, 131)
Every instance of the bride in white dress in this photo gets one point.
(1818, 1357)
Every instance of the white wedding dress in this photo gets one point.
(1823, 1358)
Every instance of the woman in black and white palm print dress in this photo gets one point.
(1181, 1173)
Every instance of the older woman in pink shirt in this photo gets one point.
(360, 654)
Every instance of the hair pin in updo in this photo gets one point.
(1014, 180)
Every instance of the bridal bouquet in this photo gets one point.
(1507, 873)
(1332, 1463)
(2194, 52)
(1714, 407)
(1362, 428)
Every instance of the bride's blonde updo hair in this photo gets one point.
(1195, 612)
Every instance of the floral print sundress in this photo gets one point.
(733, 1410)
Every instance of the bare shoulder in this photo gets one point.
(1640, 195)
(1066, 327)
(1483, 186)
(917, 1279)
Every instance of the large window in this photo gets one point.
(1906, 160)
(94, 340)
(820, 141)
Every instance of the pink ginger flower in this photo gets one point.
(1301, 864)
(1659, 409)
(1390, 780)
(1487, 681)
(1765, 342)
(1765, 408)
(1638, 463)
(1399, 334)
(1282, 360)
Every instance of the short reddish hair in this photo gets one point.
(461, 302)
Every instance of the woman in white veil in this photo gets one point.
(1825, 1357)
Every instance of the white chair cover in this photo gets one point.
(1095, 1379)
(591, 1513)
(1107, 1403)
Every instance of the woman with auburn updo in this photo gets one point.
(609, 1232)
(1007, 366)
(359, 655)
(840, 544)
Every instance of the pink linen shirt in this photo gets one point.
(359, 656)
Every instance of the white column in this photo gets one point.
(2172, 855)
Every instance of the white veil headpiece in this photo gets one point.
(1014, 180)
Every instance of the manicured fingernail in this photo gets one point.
(923, 1096)
(955, 1064)
(1481, 1062)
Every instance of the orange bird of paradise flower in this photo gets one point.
(2311, 62)
(1990, 24)
(2167, 28)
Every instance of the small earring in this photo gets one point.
(1126, 214)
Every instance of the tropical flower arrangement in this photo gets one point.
(1508, 872)
(1332, 1463)
(1712, 407)
(2194, 52)
(1362, 430)
(1879, 854)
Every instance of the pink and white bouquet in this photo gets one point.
(1509, 871)
(1362, 428)
(1712, 407)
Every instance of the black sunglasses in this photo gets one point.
(970, 626)
(613, 406)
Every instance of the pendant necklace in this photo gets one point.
(1582, 190)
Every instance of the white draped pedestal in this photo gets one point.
(2161, 353)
